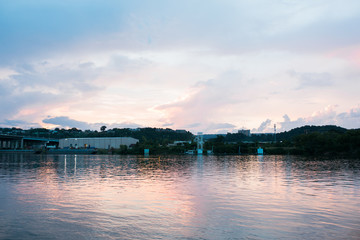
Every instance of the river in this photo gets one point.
(178, 197)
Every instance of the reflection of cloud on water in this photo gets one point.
(200, 164)
(187, 194)
(80, 186)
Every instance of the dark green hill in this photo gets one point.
(290, 135)
(154, 135)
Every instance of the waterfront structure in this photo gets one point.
(103, 142)
(178, 143)
(200, 143)
(190, 152)
(10, 142)
(146, 152)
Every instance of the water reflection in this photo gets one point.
(194, 197)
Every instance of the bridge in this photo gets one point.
(24, 142)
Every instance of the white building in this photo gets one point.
(103, 142)
(176, 143)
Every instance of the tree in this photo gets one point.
(103, 128)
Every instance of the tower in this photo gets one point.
(275, 133)
(200, 143)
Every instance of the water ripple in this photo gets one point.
(184, 197)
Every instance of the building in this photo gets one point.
(12, 142)
(103, 142)
(246, 132)
(178, 143)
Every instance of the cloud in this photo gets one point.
(264, 127)
(326, 116)
(5, 73)
(193, 125)
(209, 127)
(168, 124)
(35, 89)
(287, 124)
(122, 63)
(286, 118)
(349, 119)
(220, 127)
(17, 103)
(45, 28)
(161, 62)
(204, 103)
(42, 28)
(312, 79)
(18, 123)
(66, 122)
(123, 125)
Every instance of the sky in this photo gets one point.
(211, 66)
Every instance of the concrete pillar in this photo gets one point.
(1, 144)
(22, 144)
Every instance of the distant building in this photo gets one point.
(178, 143)
(104, 143)
(246, 132)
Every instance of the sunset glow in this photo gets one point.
(210, 66)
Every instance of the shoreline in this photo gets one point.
(105, 152)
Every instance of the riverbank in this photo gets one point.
(228, 150)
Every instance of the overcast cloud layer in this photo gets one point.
(211, 66)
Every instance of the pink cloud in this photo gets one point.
(202, 106)
(349, 53)
(327, 116)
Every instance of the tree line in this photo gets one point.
(307, 140)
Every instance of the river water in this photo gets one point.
(178, 197)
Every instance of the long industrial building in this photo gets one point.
(104, 143)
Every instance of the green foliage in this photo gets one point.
(290, 135)
(307, 140)
(330, 143)
(153, 135)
